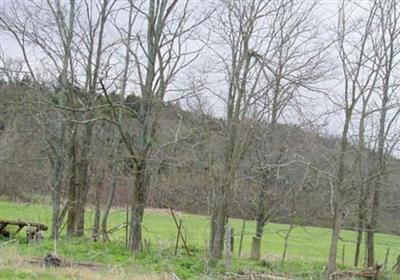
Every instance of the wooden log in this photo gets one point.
(39, 226)
(182, 237)
(177, 237)
(386, 257)
(33, 235)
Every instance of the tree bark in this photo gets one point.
(84, 180)
(336, 228)
(218, 221)
(137, 208)
(72, 191)
(359, 233)
(338, 208)
(58, 164)
(56, 197)
(260, 223)
(97, 216)
(110, 199)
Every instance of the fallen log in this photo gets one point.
(33, 233)
(52, 259)
(368, 273)
(38, 226)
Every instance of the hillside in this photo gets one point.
(181, 177)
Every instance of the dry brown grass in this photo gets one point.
(11, 260)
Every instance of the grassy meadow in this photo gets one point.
(305, 259)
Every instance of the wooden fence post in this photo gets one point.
(386, 257)
(241, 237)
(177, 237)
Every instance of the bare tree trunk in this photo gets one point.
(338, 208)
(116, 137)
(72, 189)
(110, 196)
(84, 180)
(260, 221)
(260, 224)
(97, 216)
(371, 228)
(137, 208)
(218, 221)
(336, 228)
(361, 221)
(389, 54)
(359, 166)
(59, 153)
(56, 194)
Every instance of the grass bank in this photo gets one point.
(306, 253)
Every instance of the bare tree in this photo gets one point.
(239, 25)
(356, 58)
(17, 21)
(92, 36)
(388, 24)
(116, 139)
(158, 56)
(295, 64)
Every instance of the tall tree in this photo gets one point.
(57, 46)
(388, 18)
(158, 56)
(355, 58)
(92, 33)
(293, 67)
(238, 25)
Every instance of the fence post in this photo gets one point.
(241, 237)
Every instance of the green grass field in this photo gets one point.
(306, 255)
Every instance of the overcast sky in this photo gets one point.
(315, 106)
